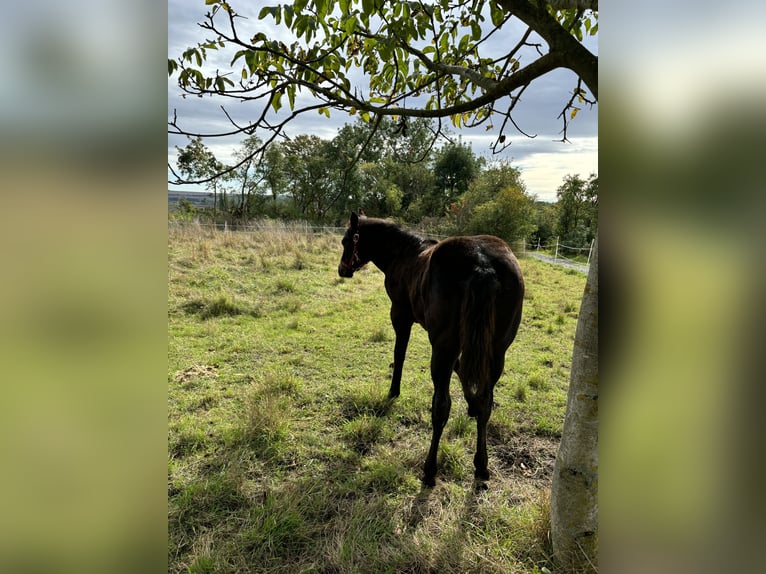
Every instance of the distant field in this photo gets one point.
(283, 454)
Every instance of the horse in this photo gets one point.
(466, 292)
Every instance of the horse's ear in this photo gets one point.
(354, 221)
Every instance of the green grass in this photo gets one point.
(286, 456)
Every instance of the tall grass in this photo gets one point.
(286, 456)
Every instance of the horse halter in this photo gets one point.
(353, 262)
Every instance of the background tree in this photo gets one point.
(408, 160)
(435, 57)
(484, 188)
(197, 162)
(274, 175)
(249, 179)
(455, 166)
(545, 223)
(577, 210)
(309, 182)
(510, 215)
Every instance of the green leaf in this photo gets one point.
(288, 14)
(251, 59)
(237, 56)
(350, 25)
(268, 10)
(475, 31)
(321, 8)
(464, 41)
(276, 101)
(209, 2)
(497, 13)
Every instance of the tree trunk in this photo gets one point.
(574, 495)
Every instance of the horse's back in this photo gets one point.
(458, 263)
(457, 260)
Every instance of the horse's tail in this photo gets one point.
(477, 329)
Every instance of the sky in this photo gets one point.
(544, 160)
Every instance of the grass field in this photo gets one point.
(284, 455)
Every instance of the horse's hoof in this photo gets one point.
(429, 481)
(480, 485)
(481, 474)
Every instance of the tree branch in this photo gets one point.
(573, 4)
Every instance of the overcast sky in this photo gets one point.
(543, 160)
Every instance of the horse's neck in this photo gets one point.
(394, 245)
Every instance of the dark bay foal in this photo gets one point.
(466, 292)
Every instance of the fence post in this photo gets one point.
(555, 256)
(590, 252)
(524, 247)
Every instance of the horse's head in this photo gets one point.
(351, 260)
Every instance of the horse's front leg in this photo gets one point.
(402, 323)
(442, 363)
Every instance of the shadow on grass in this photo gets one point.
(350, 505)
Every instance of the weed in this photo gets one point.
(219, 307)
(281, 382)
(285, 286)
(537, 381)
(362, 433)
(451, 461)
(266, 423)
(202, 565)
(379, 336)
(550, 329)
(299, 263)
(460, 425)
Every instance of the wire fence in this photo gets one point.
(554, 251)
(558, 251)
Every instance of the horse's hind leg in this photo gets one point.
(483, 409)
(483, 406)
(442, 362)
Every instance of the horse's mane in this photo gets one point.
(396, 232)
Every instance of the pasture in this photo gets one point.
(283, 453)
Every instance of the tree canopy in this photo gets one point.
(401, 60)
